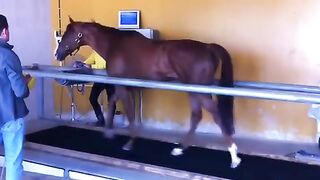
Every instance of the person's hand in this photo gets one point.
(27, 78)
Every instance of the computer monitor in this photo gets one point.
(129, 19)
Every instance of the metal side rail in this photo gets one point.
(243, 84)
(70, 164)
(278, 86)
(299, 97)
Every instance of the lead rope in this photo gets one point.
(61, 63)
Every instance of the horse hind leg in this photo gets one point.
(211, 106)
(196, 115)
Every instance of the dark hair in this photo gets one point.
(3, 22)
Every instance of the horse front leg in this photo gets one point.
(110, 116)
(112, 100)
(196, 116)
(127, 97)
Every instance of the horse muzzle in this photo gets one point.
(60, 56)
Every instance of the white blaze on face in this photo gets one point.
(234, 157)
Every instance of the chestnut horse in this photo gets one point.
(131, 55)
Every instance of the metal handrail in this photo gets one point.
(300, 97)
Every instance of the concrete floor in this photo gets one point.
(35, 176)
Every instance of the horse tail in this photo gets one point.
(225, 103)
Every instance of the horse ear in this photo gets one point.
(71, 20)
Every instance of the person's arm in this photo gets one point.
(16, 78)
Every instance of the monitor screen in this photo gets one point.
(129, 19)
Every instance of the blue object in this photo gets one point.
(129, 19)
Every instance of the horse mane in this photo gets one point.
(103, 28)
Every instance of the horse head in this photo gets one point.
(71, 40)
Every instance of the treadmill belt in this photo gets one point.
(197, 160)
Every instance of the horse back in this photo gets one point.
(192, 61)
(183, 60)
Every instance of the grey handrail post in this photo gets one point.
(314, 112)
(40, 97)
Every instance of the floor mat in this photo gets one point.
(198, 160)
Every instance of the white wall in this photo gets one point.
(30, 30)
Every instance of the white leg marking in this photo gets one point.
(128, 146)
(234, 157)
(177, 151)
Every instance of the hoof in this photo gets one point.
(128, 146)
(109, 134)
(235, 163)
(177, 152)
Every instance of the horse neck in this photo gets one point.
(100, 42)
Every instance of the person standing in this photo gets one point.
(13, 90)
(95, 61)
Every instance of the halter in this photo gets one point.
(77, 40)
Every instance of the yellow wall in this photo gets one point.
(269, 40)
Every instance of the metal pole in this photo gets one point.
(40, 95)
(242, 84)
(234, 91)
(73, 105)
(278, 86)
